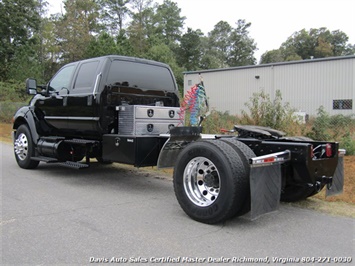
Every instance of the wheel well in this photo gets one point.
(18, 122)
(29, 123)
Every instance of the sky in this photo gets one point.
(272, 21)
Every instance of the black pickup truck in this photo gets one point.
(127, 110)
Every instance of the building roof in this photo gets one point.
(273, 64)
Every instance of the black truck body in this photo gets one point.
(126, 110)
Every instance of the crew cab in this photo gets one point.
(127, 110)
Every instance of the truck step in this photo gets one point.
(52, 138)
(74, 165)
(80, 141)
(45, 159)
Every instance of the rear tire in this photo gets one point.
(210, 181)
(245, 154)
(24, 148)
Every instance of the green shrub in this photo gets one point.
(13, 91)
(348, 143)
(321, 126)
(217, 121)
(8, 109)
(271, 113)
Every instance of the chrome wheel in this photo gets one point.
(21, 147)
(201, 181)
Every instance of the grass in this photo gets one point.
(343, 204)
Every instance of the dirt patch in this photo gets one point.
(5, 132)
(349, 184)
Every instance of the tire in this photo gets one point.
(210, 181)
(245, 154)
(24, 148)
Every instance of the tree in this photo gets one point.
(210, 58)
(232, 46)
(190, 50)
(114, 14)
(242, 46)
(339, 41)
(75, 28)
(19, 21)
(141, 26)
(317, 43)
(272, 56)
(169, 22)
(51, 48)
(104, 44)
(219, 40)
(314, 43)
(123, 45)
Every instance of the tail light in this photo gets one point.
(328, 150)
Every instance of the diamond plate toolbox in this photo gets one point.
(146, 120)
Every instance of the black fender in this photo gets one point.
(26, 115)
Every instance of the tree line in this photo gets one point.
(36, 44)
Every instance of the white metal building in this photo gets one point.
(306, 85)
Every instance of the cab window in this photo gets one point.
(62, 79)
(150, 77)
(86, 75)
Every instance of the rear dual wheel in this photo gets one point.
(210, 181)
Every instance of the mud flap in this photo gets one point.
(265, 190)
(336, 187)
(265, 183)
(180, 137)
(170, 152)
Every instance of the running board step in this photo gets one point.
(80, 141)
(45, 159)
(74, 165)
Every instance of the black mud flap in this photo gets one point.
(265, 183)
(337, 184)
(265, 190)
(179, 138)
(170, 152)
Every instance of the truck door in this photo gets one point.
(81, 98)
(53, 105)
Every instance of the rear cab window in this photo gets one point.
(140, 75)
(86, 77)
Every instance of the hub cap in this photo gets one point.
(201, 181)
(21, 147)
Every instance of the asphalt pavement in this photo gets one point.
(111, 214)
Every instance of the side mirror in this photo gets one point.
(31, 86)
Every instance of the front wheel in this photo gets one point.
(210, 181)
(24, 148)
